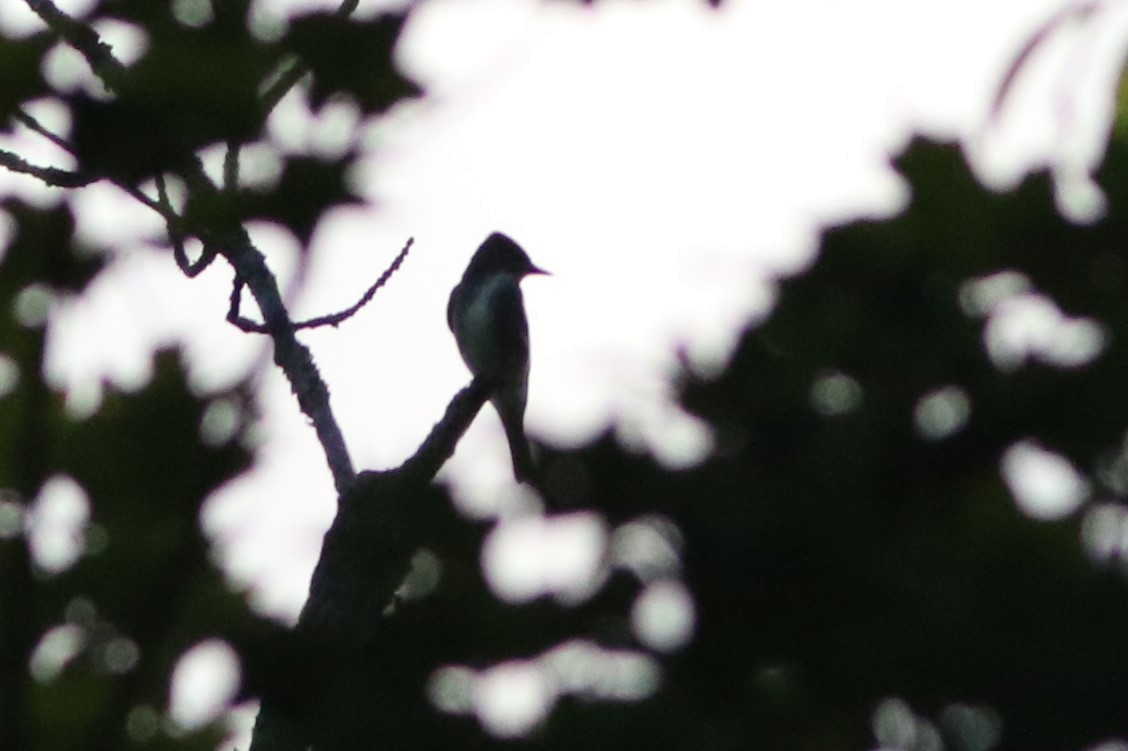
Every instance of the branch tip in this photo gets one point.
(335, 319)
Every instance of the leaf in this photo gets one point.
(352, 57)
(193, 87)
(150, 580)
(44, 250)
(20, 77)
(308, 187)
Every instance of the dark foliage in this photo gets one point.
(20, 77)
(193, 87)
(146, 582)
(307, 188)
(352, 58)
(858, 577)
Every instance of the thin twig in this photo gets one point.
(293, 72)
(29, 120)
(336, 319)
(99, 56)
(333, 319)
(97, 53)
(53, 176)
(231, 168)
(139, 196)
(246, 325)
(176, 235)
(231, 241)
(65, 179)
(294, 69)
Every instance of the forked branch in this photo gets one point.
(333, 319)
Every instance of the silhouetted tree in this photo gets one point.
(852, 565)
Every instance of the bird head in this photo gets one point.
(499, 254)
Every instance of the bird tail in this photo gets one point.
(519, 448)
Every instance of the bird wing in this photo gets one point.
(511, 328)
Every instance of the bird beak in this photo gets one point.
(535, 270)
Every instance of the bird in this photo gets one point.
(486, 314)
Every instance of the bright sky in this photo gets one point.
(663, 160)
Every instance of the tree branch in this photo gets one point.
(81, 37)
(337, 318)
(231, 167)
(440, 443)
(245, 325)
(164, 208)
(294, 69)
(53, 176)
(27, 119)
(290, 355)
(333, 319)
(364, 534)
(364, 560)
(232, 242)
(176, 235)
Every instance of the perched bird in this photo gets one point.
(487, 315)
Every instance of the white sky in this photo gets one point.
(663, 160)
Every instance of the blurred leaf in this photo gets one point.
(352, 57)
(20, 77)
(307, 189)
(42, 259)
(44, 250)
(147, 472)
(837, 558)
(192, 88)
(148, 585)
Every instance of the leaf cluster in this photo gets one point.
(144, 584)
(857, 577)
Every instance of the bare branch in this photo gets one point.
(336, 319)
(231, 167)
(333, 319)
(53, 176)
(293, 72)
(191, 269)
(140, 197)
(32, 123)
(290, 355)
(439, 445)
(98, 54)
(246, 325)
(27, 119)
(176, 235)
(233, 243)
